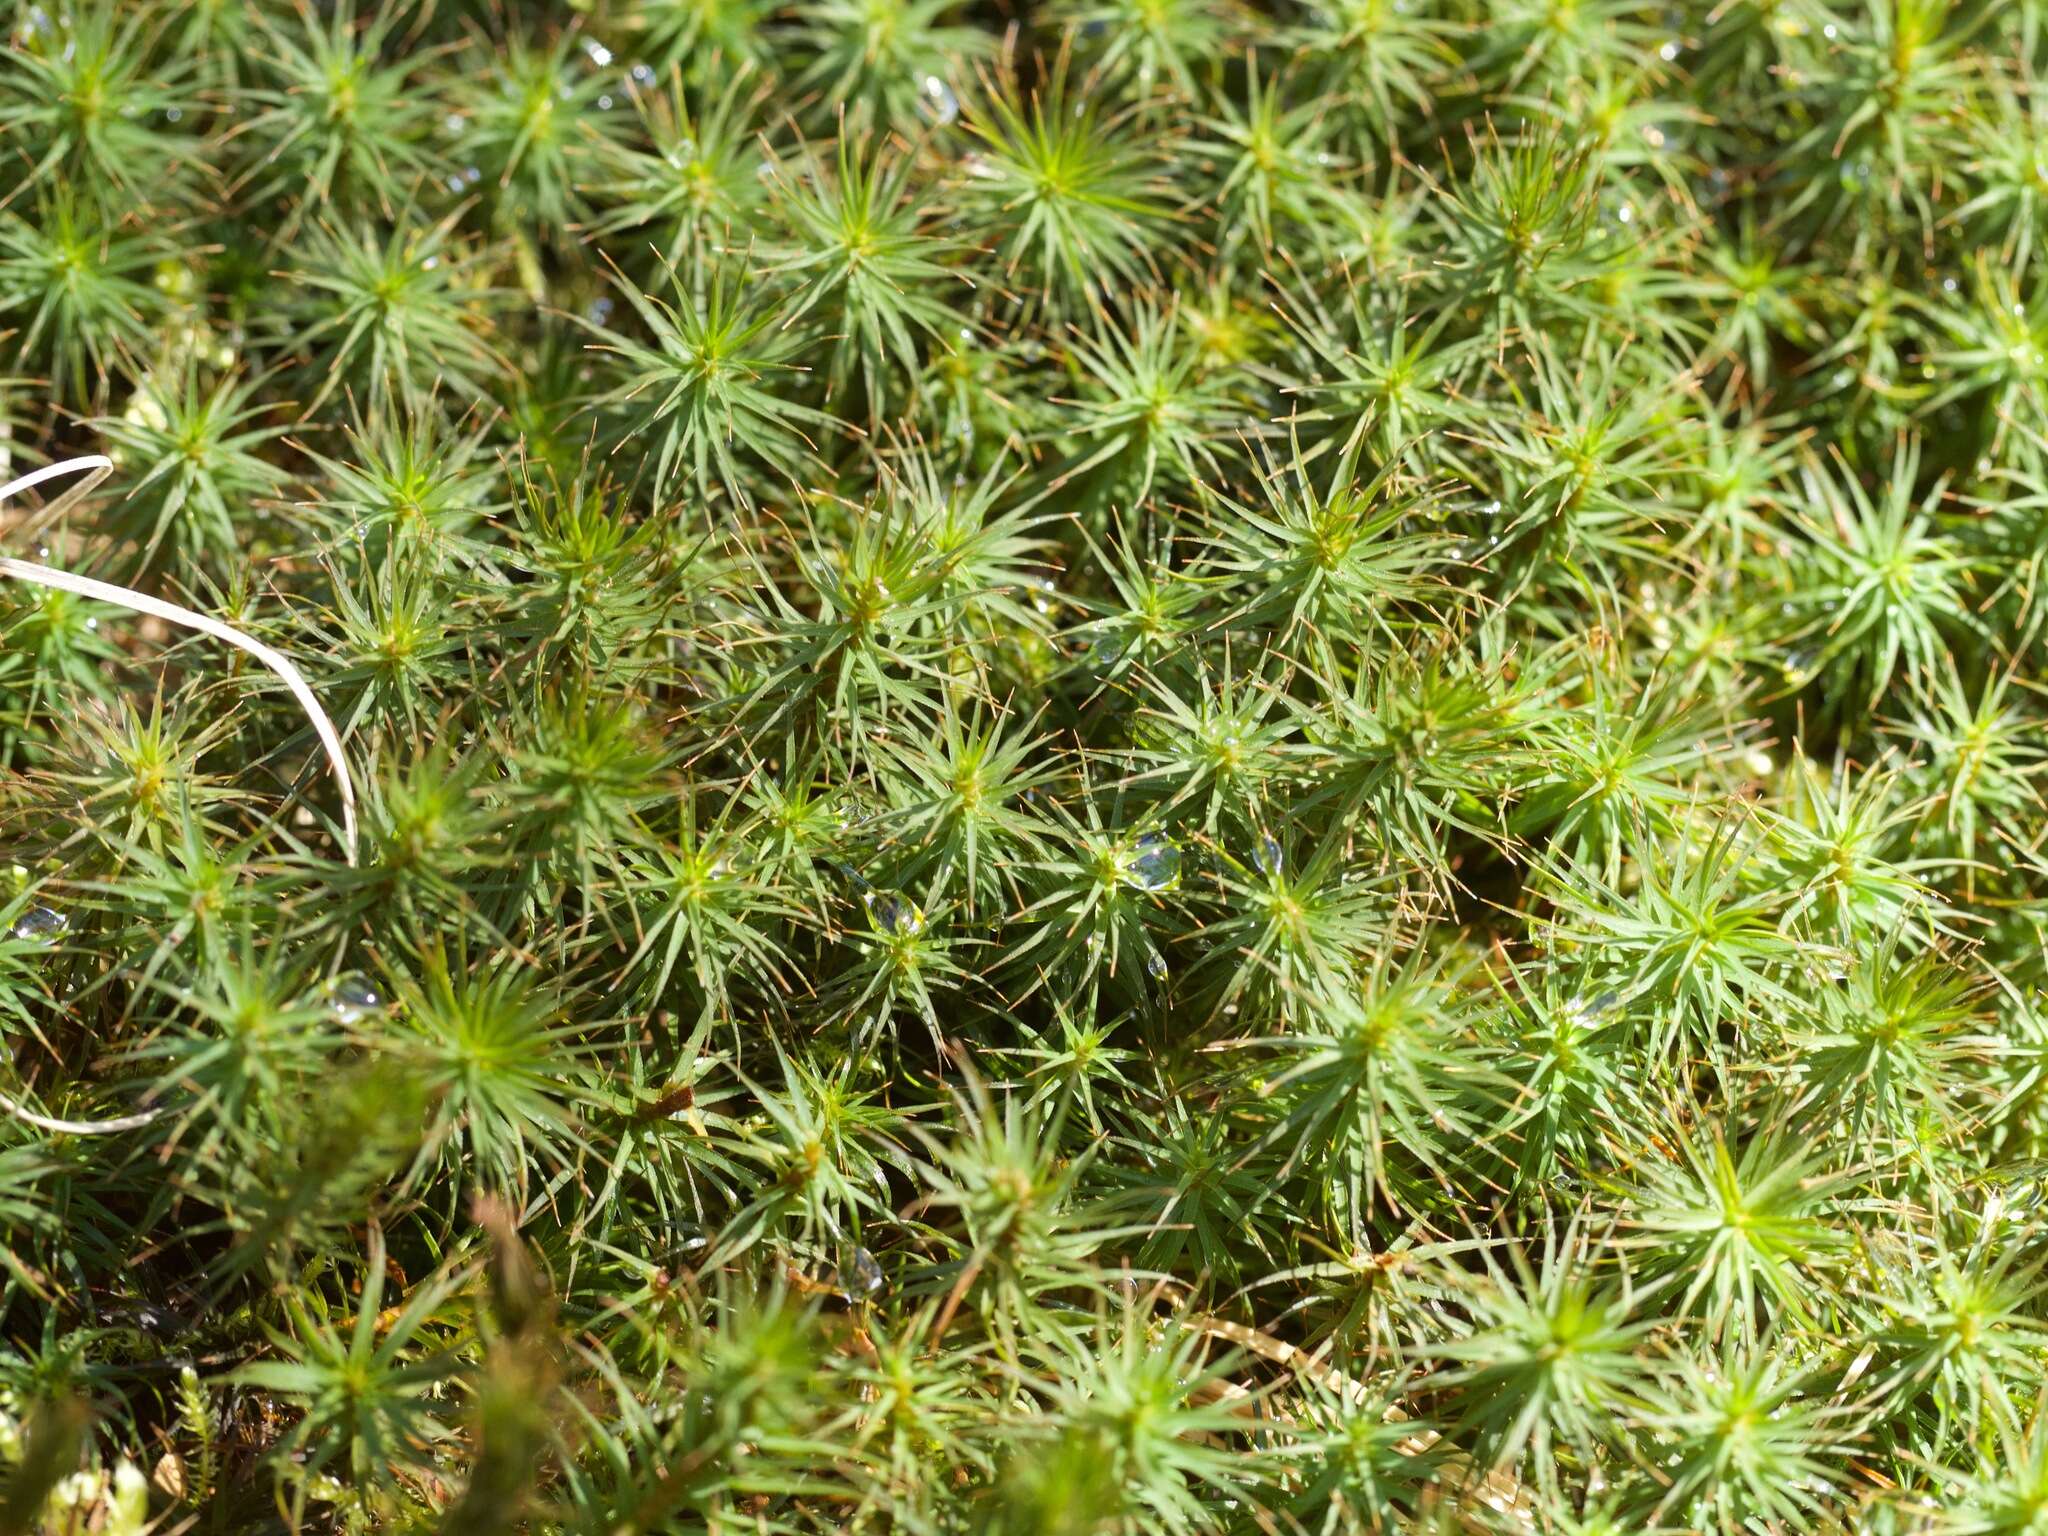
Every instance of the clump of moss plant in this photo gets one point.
(1124, 766)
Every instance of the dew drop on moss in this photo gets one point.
(352, 998)
(1153, 863)
(1582, 1010)
(893, 915)
(860, 1276)
(40, 925)
(936, 103)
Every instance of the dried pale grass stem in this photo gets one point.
(95, 468)
(139, 602)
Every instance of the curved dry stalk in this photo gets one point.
(172, 613)
(96, 467)
(111, 1127)
(98, 463)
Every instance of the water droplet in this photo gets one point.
(1604, 1002)
(1668, 52)
(92, 623)
(1948, 285)
(597, 53)
(643, 74)
(40, 925)
(893, 915)
(173, 114)
(859, 1275)
(472, 175)
(1152, 863)
(352, 998)
(600, 310)
(1267, 855)
(690, 1240)
(453, 124)
(604, 102)
(1155, 965)
(936, 103)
